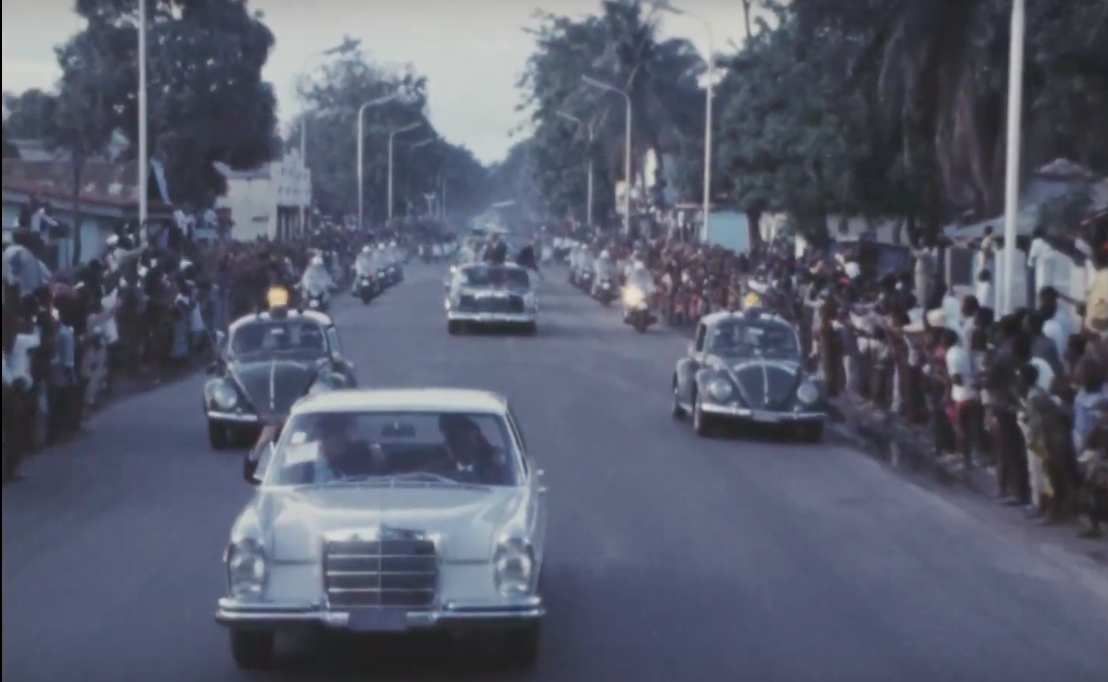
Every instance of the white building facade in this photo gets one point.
(268, 202)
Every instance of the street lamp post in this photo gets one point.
(592, 130)
(626, 147)
(361, 138)
(709, 61)
(392, 135)
(1012, 175)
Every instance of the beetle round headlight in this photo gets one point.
(719, 389)
(512, 567)
(224, 396)
(246, 569)
(807, 393)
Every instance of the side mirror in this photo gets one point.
(220, 339)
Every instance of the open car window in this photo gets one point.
(748, 339)
(485, 276)
(322, 448)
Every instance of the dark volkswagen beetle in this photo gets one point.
(267, 362)
(747, 367)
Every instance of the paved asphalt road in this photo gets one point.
(670, 558)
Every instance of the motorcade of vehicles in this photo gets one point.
(265, 362)
(747, 367)
(390, 512)
(484, 294)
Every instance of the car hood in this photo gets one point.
(766, 383)
(466, 520)
(273, 385)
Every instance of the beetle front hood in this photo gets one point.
(466, 520)
(273, 385)
(766, 384)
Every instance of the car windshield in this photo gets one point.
(753, 338)
(496, 277)
(294, 337)
(432, 447)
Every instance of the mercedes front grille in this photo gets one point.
(385, 573)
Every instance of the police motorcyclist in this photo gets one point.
(605, 270)
(317, 281)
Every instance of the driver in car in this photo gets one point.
(340, 454)
(470, 456)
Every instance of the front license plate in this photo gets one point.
(378, 620)
(767, 418)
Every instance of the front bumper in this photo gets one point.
(233, 417)
(236, 614)
(761, 416)
(490, 318)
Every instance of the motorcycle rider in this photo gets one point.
(604, 269)
(316, 281)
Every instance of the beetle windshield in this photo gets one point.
(753, 338)
(322, 448)
(289, 337)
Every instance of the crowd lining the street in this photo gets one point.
(144, 309)
(1023, 393)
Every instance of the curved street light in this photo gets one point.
(392, 135)
(626, 147)
(361, 137)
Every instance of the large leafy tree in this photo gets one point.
(621, 46)
(207, 101)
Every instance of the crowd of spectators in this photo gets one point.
(1024, 394)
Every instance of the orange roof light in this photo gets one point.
(277, 297)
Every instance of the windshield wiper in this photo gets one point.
(431, 477)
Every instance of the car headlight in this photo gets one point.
(719, 389)
(512, 567)
(807, 393)
(246, 569)
(224, 396)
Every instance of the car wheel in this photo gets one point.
(702, 422)
(252, 650)
(812, 433)
(521, 645)
(677, 411)
(217, 435)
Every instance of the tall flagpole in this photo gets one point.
(143, 172)
(1012, 176)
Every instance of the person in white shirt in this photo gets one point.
(1040, 257)
(41, 221)
(1058, 325)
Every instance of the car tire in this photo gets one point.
(676, 410)
(812, 433)
(703, 424)
(522, 644)
(217, 435)
(251, 649)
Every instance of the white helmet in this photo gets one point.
(367, 248)
(317, 260)
(605, 254)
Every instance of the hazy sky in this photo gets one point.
(472, 51)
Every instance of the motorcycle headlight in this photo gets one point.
(719, 389)
(512, 567)
(246, 569)
(224, 396)
(633, 297)
(807, 393)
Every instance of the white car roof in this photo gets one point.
(403, 400)
(762, 314)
